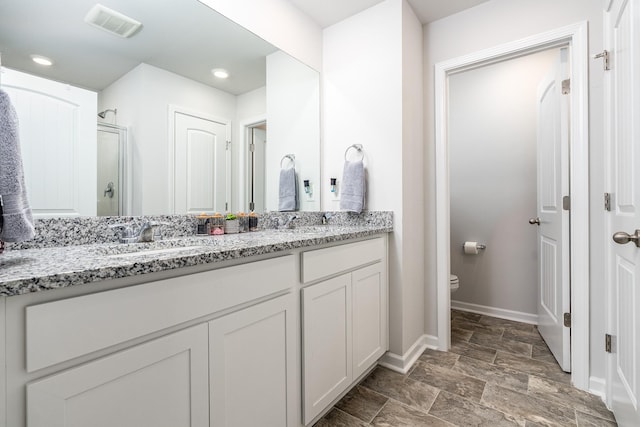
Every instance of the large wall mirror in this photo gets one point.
(140, 125)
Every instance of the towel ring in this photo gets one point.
(290, 157)
(358, 147)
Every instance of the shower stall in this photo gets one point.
(112, 173)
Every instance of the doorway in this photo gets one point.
(256, 139)
(573, 36)
(507, 140)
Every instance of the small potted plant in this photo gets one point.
(231, 224)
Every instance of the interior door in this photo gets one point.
(624, 259)
(552, 220)
(58, 143)
(201, 173)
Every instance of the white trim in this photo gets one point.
(576, 36)
(597, 386)
(171, 140)
(402, 364)
(516, 316)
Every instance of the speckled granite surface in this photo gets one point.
(91, 230)
(39, 269)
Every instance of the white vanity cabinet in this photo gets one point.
(213, 348)
(344, 319)
(269, 341)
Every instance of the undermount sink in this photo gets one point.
(163, 251)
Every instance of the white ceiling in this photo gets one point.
(182, 36)
(329, 12)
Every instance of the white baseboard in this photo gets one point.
(403, 363)
(501, 313)
(597, 386)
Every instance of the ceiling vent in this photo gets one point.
(111, 21)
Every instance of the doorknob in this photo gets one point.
(621, 238)
(534, 221)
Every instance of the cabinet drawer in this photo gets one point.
(329, 261)
(66, 329)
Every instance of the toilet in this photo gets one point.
(454, 282)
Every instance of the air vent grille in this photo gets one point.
(112, 21)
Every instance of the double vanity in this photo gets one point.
(256, 329)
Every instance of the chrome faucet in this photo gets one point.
(288, 223)
(326, 217)
(148, 232)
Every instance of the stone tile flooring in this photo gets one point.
(498, 373)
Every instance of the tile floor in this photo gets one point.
(498, 373)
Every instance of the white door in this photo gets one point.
(252, 366)
(201, 181)
(163, 382)
(552, 219)
(58, 143)
(326, 343)
(369, 298)
(624, 259)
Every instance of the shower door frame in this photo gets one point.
(574, 36)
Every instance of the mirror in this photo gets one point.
(188, 134)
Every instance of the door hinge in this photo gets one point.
(252, 147)
(566, 203)
(228, 145)
(252, 206)
(607, 343)
(607, 202)
(606, 59)
(566, 86)
(226, 206)
(567, 320)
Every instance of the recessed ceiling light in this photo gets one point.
(220, 73)
(42, 60)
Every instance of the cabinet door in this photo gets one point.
(327, 346)
(159, 383)
(252, 363)
(369, 293)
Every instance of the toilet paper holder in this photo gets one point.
(479, 246)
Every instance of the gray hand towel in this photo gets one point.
(288, 192)
(16, 214)
(352, 188)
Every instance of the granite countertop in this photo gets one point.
(34, 270)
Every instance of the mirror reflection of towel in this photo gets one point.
(288, 192)
(16, 214)
(352, 188)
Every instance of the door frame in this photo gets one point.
(575, 36)
(171, 120)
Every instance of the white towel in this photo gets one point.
(288, 200)
(16, 214)
(352, 188)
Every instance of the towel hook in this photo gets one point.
(291, 157)
(358, 147)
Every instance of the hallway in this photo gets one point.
(497, 373)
